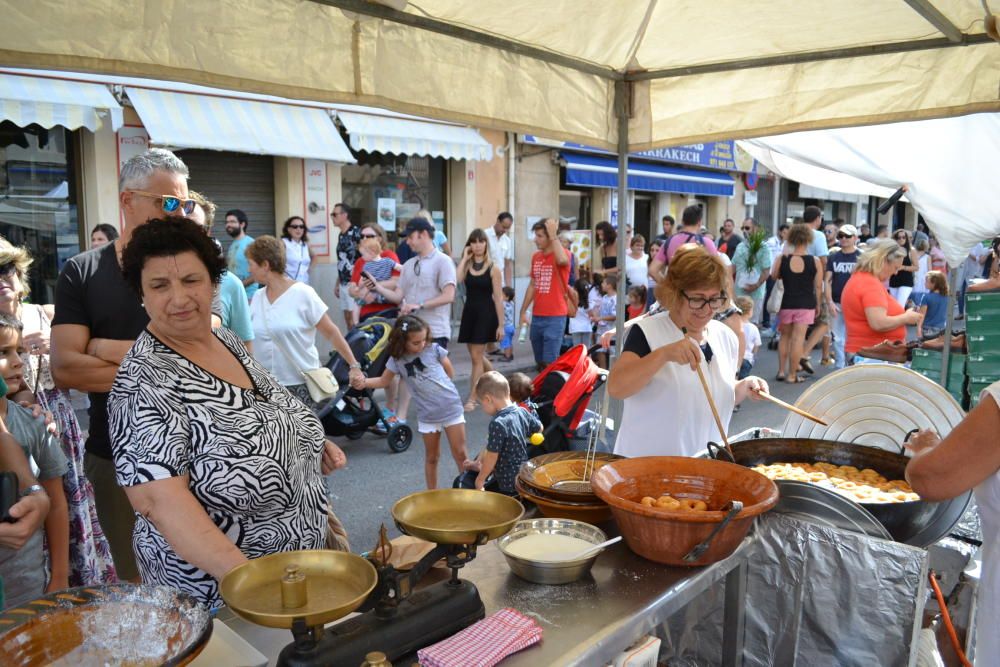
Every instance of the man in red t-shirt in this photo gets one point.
(548, 291)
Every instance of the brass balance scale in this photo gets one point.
(305, 590)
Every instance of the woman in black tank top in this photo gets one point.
(901, 284)
(604, 238)
(801, 278)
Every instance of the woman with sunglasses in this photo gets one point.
(376, 265)
(657, 376)
(298, 256)
(901, 284)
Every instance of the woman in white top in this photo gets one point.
(969, 458)
(666, 411)
(286, 316)
(637, 261)
(298, 256)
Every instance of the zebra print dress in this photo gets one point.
(252, 456)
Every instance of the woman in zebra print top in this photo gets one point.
(219, 461)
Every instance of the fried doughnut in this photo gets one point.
(848, 485)
(817, 476)
(668, 503)
(692, 505)
(648, 502)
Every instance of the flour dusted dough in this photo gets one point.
(547, 547)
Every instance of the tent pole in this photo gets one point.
(624, 219)
(950, 322)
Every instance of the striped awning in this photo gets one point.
(405, 136)
(26, 99)
(217, 122)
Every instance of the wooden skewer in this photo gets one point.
(787, 406)
(711, 402)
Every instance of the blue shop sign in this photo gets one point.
(712, 155)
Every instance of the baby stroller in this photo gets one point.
(562, 392)
(352, 412)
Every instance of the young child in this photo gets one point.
(23, 570)
(510, 428)
(580, 328)
(606, 312)
(636, 302)
(750, 333)
(520, 387)
(507, 344)
(933, 305)
(425, 368)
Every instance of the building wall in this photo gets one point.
(491, 181)
(536, 195)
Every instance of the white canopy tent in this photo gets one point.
(949, 166)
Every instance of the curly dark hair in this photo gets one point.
(404, 326)
(167, 237)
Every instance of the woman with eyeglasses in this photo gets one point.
(298, 256)
(901, 283)
(376, 265)
(666, 411)
(801, 275)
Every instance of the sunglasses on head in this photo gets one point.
(169, 203)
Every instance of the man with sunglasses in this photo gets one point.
(98, 317)
(839, 267)
(347, 254)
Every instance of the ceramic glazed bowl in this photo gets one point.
(558, 475)
(667, 536)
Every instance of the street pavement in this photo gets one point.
(363, 493)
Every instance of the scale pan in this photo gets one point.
(337, 583)
(456, 516)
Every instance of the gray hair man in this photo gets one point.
(97, 319)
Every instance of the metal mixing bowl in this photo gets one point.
(551, 572)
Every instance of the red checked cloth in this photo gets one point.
(485, 643)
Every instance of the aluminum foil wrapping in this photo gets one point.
(815, 596)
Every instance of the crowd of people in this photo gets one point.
(204, 448)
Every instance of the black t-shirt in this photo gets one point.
(840, 265)
(92, 292)
(730, 245)
(800, 291)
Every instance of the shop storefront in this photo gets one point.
(41, 127)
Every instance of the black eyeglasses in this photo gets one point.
(7, 269)
(698, 302)
(747, 229)
(844, 236)
(369, 236)
(296, 226)
(416, 267)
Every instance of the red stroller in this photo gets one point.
(561, 393)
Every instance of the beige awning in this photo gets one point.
(697, 70)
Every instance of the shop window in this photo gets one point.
(390, 189)
(38, 200)
(574, 209)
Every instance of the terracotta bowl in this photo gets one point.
(666, 536)
(596, 512)
(553, 474)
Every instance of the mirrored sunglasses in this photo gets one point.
(169, 203)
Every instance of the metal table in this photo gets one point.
(590, 621)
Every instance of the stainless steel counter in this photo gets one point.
(587, 622)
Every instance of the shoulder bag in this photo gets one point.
(571, 297)
(320, 382)
(777, 294)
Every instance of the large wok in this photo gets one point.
(907, 522)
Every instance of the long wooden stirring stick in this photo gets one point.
(711, 402)
(788, 406)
